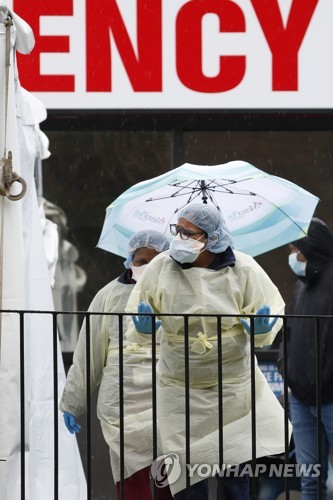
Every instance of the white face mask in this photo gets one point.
(137, 271)
(297, 266)
(185, 251)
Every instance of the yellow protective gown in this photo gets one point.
(137, 373)
(230, 290)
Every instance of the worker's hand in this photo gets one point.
(262, 324)
(70, 422)
(144, 324)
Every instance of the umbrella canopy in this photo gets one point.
(262, 211)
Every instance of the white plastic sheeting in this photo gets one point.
(26, 285)
(67, 276)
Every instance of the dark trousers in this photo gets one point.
(228, 488)
(198, 491)
(137, 487)
(233, 488)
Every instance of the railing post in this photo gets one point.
(55, 405)
(220, 400)
(286, 402)
(187, 408)
(154, 399)
(121, 407)
(87, 318)
(22, 404)
(318, 405)
(253, 408)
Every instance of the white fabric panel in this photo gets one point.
(26, 285)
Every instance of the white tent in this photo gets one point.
(26, 286)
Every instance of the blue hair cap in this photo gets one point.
(148, 238)
(209, 219)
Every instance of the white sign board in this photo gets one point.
(179, 54)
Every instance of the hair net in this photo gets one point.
(209, 219)
(146, 238)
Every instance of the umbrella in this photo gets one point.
(262, 211)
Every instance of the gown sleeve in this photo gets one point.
(260, 290)
(74, 397)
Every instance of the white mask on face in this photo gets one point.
(137, 271)
(297, 266)
(185, 251)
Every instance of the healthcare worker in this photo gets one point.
(202, 274)
(137, 370)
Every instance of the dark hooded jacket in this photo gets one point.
(313, 295)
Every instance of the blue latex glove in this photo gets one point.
(261, 325)
(70, 422)
(144, 324)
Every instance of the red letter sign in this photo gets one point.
(189, 45)
(284, 42)
(144, 71)
(30, 76)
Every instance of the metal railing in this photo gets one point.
(22, 314)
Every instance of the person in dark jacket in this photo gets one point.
(311, 259)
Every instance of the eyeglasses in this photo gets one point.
(184, 233)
